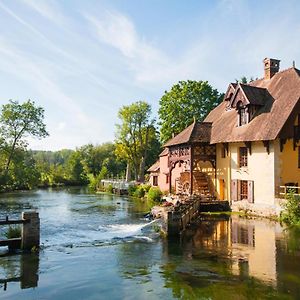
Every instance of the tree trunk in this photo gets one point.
(128, 172)
(142, 170)
(10, 155)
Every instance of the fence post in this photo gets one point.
(30, 230)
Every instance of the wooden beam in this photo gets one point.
(282, 142)
(248, 145)
(191, 171)
(267, 146)
(15, 243)
(225, 145)
(10, 222)
(170, 180)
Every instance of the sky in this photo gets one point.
(83, 60)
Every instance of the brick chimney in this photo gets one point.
(271, 67)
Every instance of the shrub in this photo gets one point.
(291, 213)
(13, 232)
(132, 189)
(154, 194)
(109, 189)
(146, 187)
(139, 192)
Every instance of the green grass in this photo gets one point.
(13, 232)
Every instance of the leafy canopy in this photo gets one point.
(186, 101)
(21, 120)
(134, 135)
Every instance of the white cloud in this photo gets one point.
(47, 10)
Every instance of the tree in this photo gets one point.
(18, 121)
(245, 80)
(76, 172)
(186, 101)
(134, 135)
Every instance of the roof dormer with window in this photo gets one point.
(246, 100)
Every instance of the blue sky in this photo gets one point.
(83, 60)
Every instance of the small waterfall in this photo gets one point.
(123, 230)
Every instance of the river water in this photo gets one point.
(101, 247)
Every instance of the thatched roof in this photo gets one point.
(277, 98)
(196, 132)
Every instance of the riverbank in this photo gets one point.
(92, 243)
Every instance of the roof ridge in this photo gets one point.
(279, 72)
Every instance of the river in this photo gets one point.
(97, 246)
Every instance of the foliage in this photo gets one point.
(245, 80)
(94, 157)
(76, 172)
(22, 169)
(139, 192)
(109, 189)
(135, 136)
(95, 180)
(154, 194)
(186, 101)
(13, 232)
(132, 189)
(291, 213)
(17, 122)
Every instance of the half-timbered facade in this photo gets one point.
(247, 147)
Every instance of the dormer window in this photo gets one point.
(243, 115)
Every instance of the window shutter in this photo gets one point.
(239, 190)
(250, 191)
(234, 190)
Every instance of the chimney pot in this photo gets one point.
(271, 67)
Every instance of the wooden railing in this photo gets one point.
(284, 190)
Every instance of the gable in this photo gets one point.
(276, 98)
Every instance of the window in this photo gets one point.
(243, 157)
(244, 189)
(243, 115)
(167, 178)
(155, 181)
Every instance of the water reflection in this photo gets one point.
(24, 270)
(233, 254)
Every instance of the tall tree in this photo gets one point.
(18, 121)
(187, 100)
(134, 135)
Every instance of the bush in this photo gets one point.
(139, 192)
(146, 187)
(154, 194)
(291, 213)
(13, 232)
(109, 189)
(132, 189)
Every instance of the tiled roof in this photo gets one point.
(283, 94)
(196, 132)
(154, 167)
